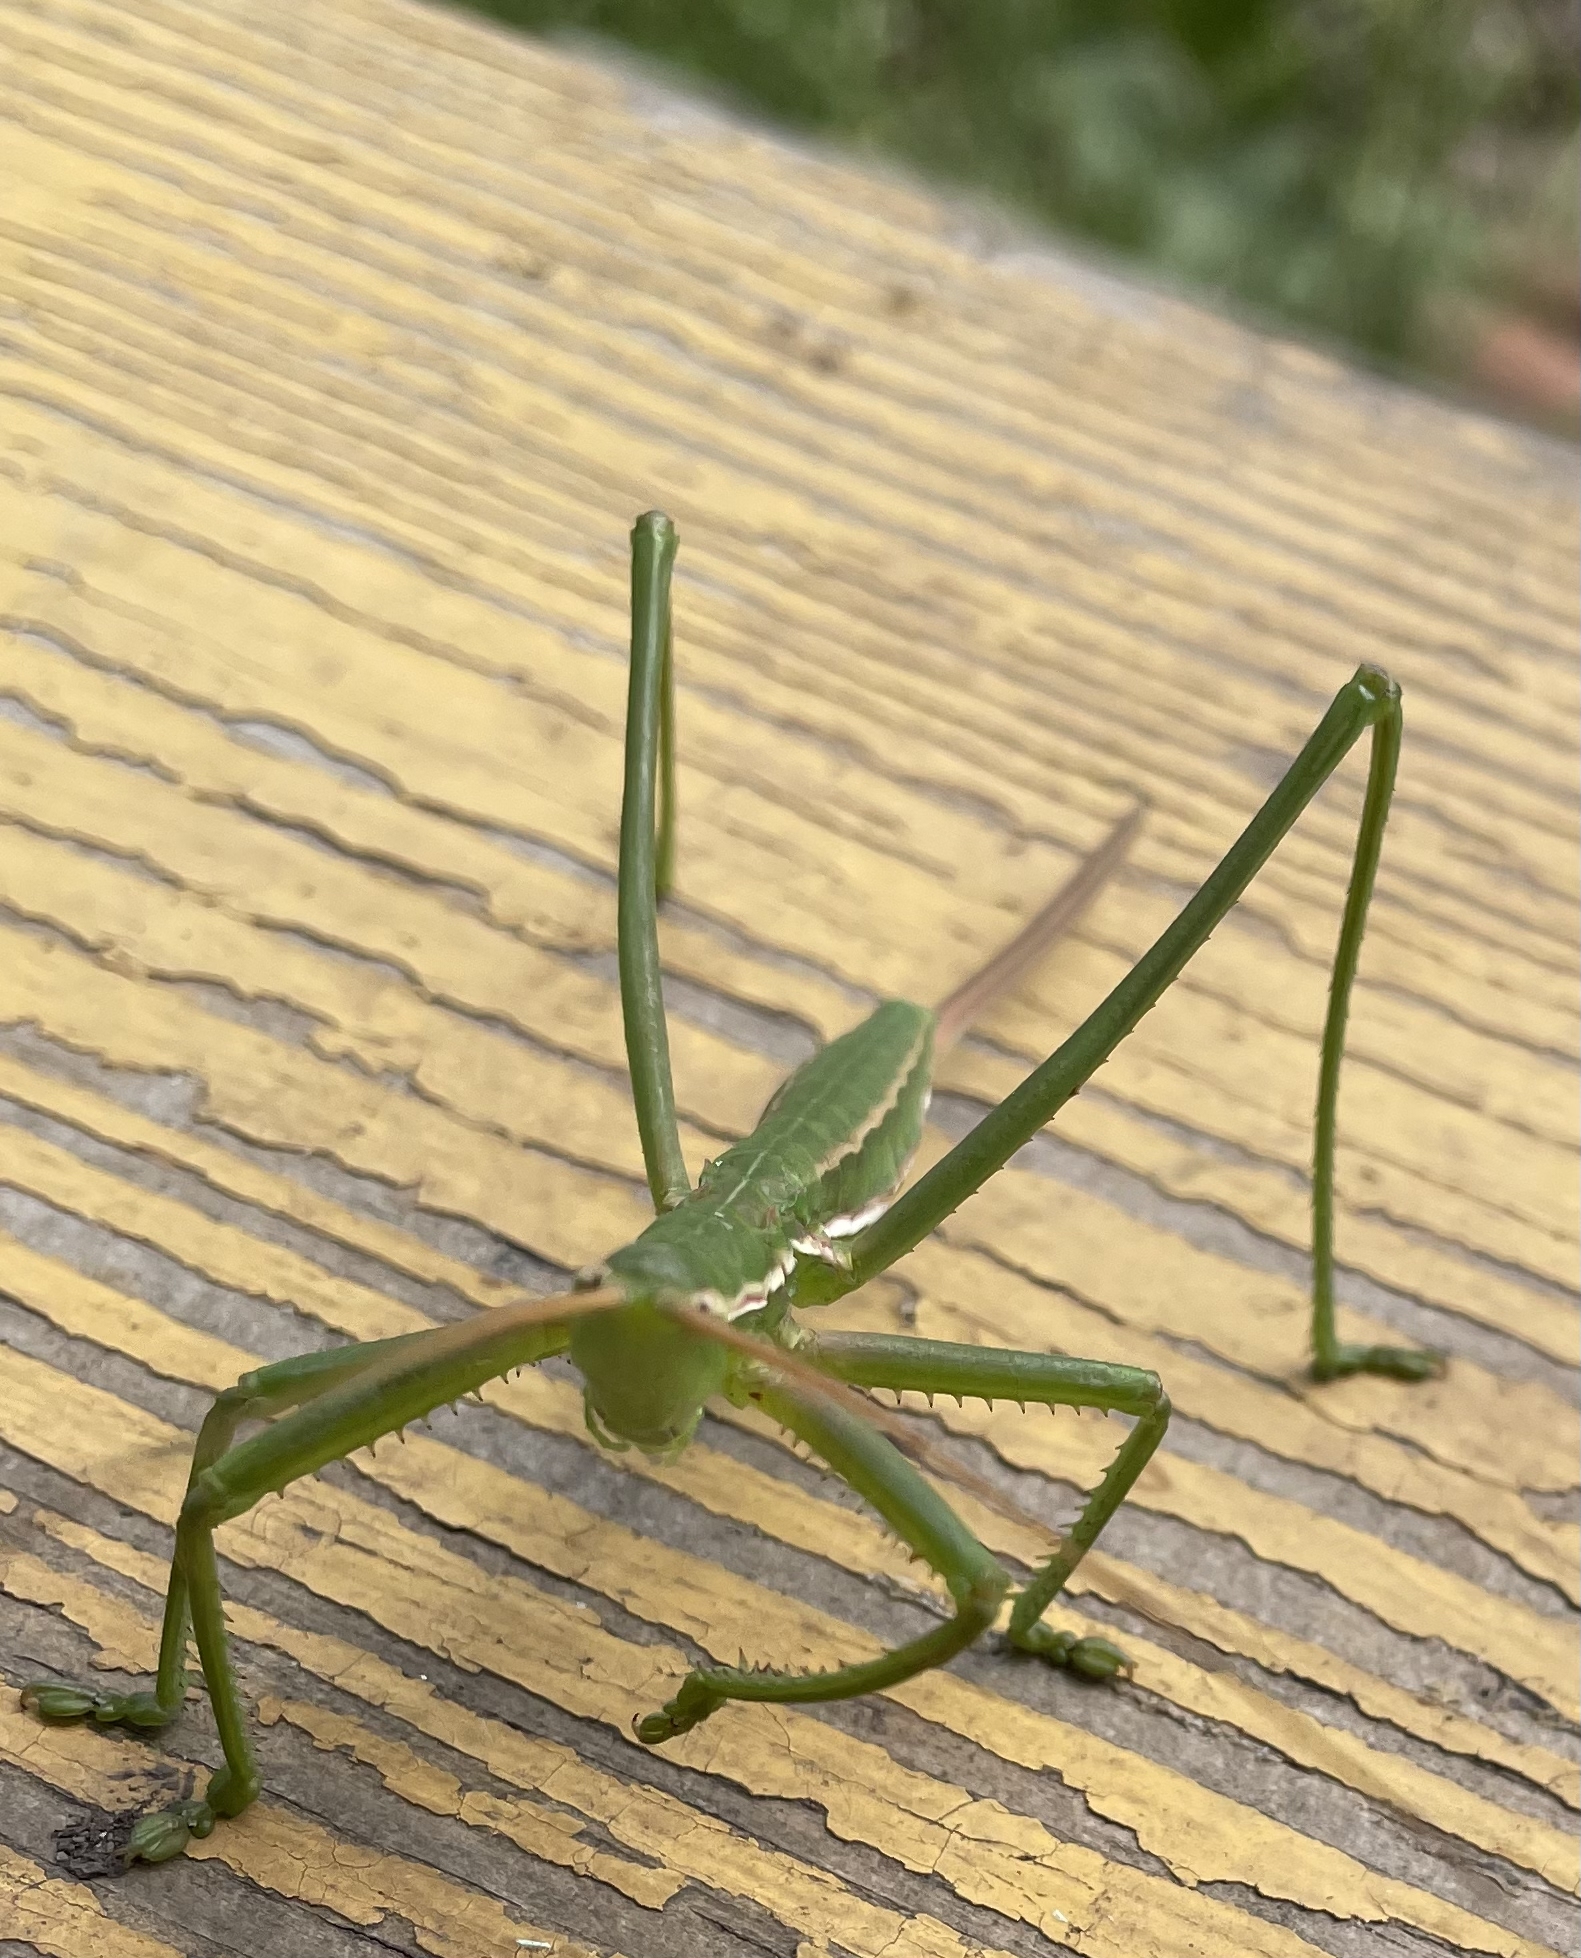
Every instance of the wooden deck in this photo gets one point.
(339, 344)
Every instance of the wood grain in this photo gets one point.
(338, 348)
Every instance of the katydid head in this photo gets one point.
(645, 1376)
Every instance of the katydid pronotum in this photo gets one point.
(803, 1210)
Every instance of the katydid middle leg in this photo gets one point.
(1369, 700)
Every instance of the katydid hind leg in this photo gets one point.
(1331, 1357)
(903, 1364)
(647, 854)
(1368, 701)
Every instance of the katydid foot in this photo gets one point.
(157, 1837)
(690, 1708)
(1089, 1658)
(1394, 1362)
(167, 1831)
(61, 1704)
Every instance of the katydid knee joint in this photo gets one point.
(979, 1601)
(202, 1507)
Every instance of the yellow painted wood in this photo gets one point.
(65, 1918)
(308, 1529)
(340, 347)
(1400, 1589)
(726, 1487)
(361, 1314)
(687, 1843)
(273, 1850)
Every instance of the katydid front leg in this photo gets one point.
(923, 1520)
(1370, 699)
(918, 1515)
(262, 1395)
(320, 1407)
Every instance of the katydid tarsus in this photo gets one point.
(803, 1210)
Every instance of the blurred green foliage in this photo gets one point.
(1348, 165)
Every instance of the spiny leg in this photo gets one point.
(320, 1407)
(1370, 699)
(932, 1366)
(646, 870)
(876, 1469)
(258, 1396)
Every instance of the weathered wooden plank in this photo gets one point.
(340, 347)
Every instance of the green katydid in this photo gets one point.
(801, 1211)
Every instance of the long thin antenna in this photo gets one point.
(969, 1002)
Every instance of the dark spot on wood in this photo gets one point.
(95, 1843)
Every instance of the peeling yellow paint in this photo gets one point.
(694, 1845)
(270, 1093)
(731, 1488)
(341, 1547)
(218, 1251)
(233, 1175)
(540, 1830)
(138, 926)
(470, 706)
(241, 872)
(1416, 1266)
(534, 1398)
(971, 564)
(1379, 1174)
(1253, 1321)
(126, 1641)
(1243, 1322)
(229, 1256)
(118, 719)
(84, 1307)
(310, 1531)
(1254, 1334)
(108, 716)
(275, 1850)
(63, 1919)
(1404, 1591)
(721, 1485)
(243, 286)
(978, 1301)
(1014, 1312)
